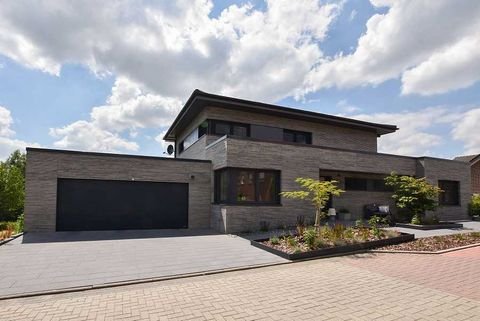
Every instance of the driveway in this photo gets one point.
(40, 262)
(358, 287)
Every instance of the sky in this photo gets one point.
(110, 76)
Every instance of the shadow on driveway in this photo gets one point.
(48, 237)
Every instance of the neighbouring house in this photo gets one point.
(232, 158)
(474, 161)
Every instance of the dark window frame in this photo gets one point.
(441, 197)
(214, 122)
(296, 134)
(366, 185)
(232, 173)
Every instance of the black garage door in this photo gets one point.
(85, 205)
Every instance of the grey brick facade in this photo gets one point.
(310, 161)
(45, 166)
(339, 148)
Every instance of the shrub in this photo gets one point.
(300, 224)
(317, 192)
(291, 241)
(349, 233)
(474, 205)
(338, 230)
(373, 222)
(274, 240)
(309, 236)
(20, 223)
(414, 194)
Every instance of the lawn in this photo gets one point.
(436, 243)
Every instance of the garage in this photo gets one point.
(88, 204)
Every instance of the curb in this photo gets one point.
(137, 281)
(5, 241)
(427, 252)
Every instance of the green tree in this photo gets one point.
(315, 191)
(12, 186)
(413, 194)
(17, 159)
(474, 205)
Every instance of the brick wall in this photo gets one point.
(296, 161)
(322, 134)
(306, 161)
(442, 169)
(45, 166)
(476, 177)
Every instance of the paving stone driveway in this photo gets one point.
(360, 287)
(50, 261)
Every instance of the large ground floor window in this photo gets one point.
(247, 186)
(450, 194)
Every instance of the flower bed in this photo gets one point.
(436, 243)
(327, 241)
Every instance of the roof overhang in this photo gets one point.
(199, 100)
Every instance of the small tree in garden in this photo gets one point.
(474, 206)
(315, 191)
(413, 194)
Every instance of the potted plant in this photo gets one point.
(344, 214)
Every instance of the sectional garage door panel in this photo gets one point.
(85, 205)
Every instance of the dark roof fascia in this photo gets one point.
(75, 152)
(235, 103)
(475, 159)
(442, 159)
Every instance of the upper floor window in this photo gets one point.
(189, 140)
(294, 136)
(450, 194)
(230, 128)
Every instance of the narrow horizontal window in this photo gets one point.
(293, 136)
(366, 184)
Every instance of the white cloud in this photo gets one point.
(346, 107)
(163, 144)
(5, 122)
(173, 47)
(455, 67)
(8, 143)
(129, 108)
(352, 16)
(433, 44)
(466, 129)
(83, 135)
(413, 137)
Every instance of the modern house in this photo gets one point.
(474, 161)
(232, 158)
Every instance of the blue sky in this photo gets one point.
(115, 80)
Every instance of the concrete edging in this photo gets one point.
(427, 252)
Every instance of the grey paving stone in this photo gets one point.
(49, 261)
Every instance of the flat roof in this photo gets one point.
(199, 100)
(65, 151)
